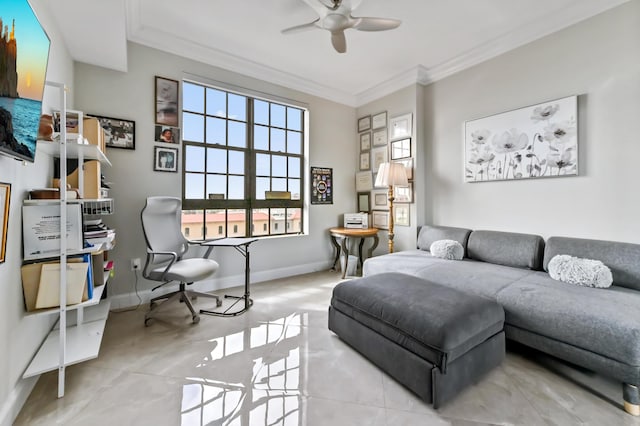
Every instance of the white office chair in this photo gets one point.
(166, 247)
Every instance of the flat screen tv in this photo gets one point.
(24, 53)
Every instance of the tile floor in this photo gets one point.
(278, 364)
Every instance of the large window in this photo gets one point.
(243, 164)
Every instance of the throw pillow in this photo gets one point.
(447, 249)
(584, 272)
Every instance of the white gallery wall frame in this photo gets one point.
(530, 142)
(401, 126)
(380, 137)
(364, 123)
(379, 120)
(365, 141)
(402, 214)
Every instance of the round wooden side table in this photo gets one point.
(344, 234)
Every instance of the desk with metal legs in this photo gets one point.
(242, 246)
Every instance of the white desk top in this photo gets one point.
(230, 242)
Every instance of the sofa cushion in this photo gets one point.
(603, 321)
(472, 276)
(621, 258)
(435, 322)
(506, 248)
(428, 234)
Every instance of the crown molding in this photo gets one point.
(419, 74)
(163, 41)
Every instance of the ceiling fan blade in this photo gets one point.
(376, 24)
(301, 28)
(339, 41)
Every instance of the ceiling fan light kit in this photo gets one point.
(337, 18)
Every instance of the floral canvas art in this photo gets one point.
(531, 142)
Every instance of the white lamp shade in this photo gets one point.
(391, 174)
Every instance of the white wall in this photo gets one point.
(20, 336)
(131, 96)
(599, 60)
(407, 100)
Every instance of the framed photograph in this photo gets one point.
(380, 199)
(165, 159)
(401, 215)
(531, 142)
(167, 134)
(364, 123)
(321, 185)
(5, 200)
(401, 126)
(380, 137)
(73, 120)
(118, 132)
(365, 141)
(378, 156)
(167, 101)
(408, 166)
(403, 194)
(379, 120)
(401, 149)
(364, 202)
(380, 219)
(364, 181)
(364, 161)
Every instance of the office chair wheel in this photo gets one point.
(196, 319)
(152, 305)
(218, 302)
(148, 322)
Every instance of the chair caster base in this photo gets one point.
(196, 319)
(218, 302)
(148, 322)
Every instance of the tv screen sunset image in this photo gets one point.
(24, 52)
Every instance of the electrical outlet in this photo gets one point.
(135, 264)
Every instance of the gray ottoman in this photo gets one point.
(433, 339)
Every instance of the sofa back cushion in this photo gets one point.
(621, 258)
(428, 234)
(507, 248)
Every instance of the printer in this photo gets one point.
(356, 220)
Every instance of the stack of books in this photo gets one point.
(96, 233)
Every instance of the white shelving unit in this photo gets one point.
(77, 335)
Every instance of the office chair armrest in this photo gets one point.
(151, 257)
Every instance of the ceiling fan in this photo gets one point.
(337, 17)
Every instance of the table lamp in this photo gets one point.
(390, 175)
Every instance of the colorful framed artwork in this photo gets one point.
(321, 185)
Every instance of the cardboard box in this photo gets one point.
(91, 175)
(31, 276)
(94, 133)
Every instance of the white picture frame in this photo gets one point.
(379, 120)
(401, 126)
(400, 148)
(380, 137)
(379, 155)
(364, 181)
(380, 219)
(403, 194)
(41, 229)
(380, 199)
(536, 141)
(401, 215)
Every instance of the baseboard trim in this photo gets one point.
(16, 399)
(120, 301)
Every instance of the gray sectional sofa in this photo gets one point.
(598, 329)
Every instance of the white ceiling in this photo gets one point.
(437, 38)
